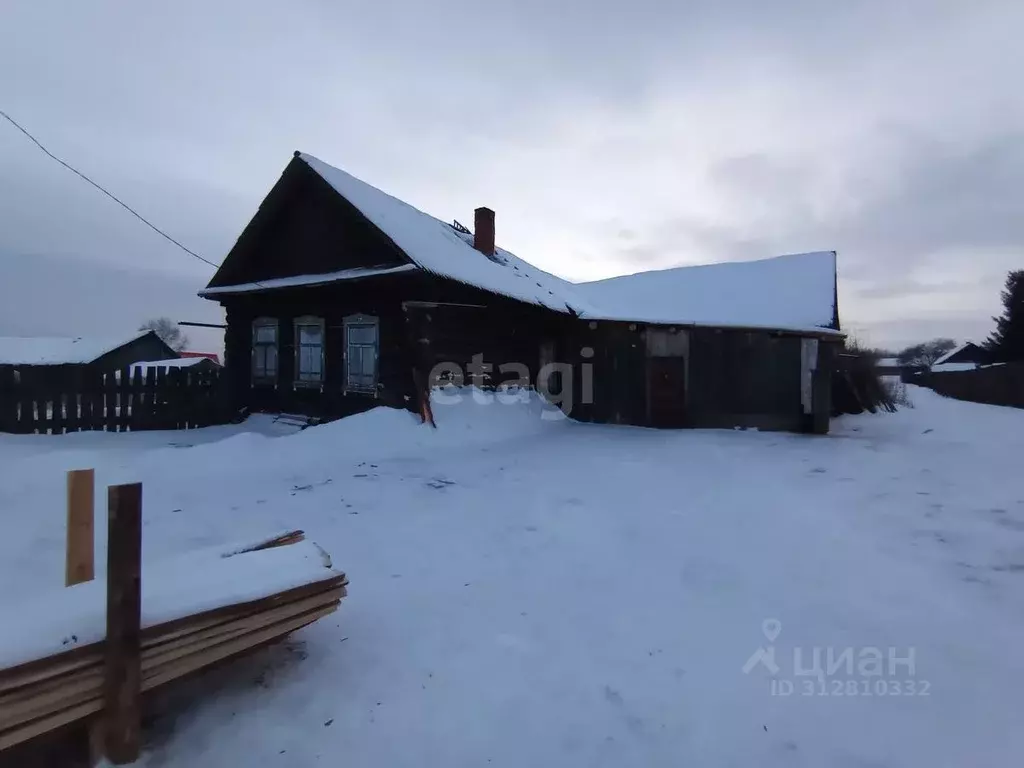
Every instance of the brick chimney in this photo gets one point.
(483, 231)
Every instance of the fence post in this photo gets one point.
(79, 565)
(78, 561)
(123, 671)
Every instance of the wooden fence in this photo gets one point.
(993, 384)
(70, 398)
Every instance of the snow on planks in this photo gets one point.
(288, 584)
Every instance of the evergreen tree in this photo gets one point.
(1007, 341)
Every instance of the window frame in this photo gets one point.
(255, 345)
(361, 321)
(309, 321)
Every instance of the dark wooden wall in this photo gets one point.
(724, 377)
(744, 378)
(333, 303)
(446, 321)
(733, 378)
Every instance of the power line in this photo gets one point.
(124, 205)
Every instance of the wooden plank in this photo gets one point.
(38, 672)
(105, 402)
(8, 399)
(86, 385)
(160, 647)
(164, 673)
(150, 396)
(182, 667)
(37, 669)
(124, 399)
(95, 379)
(56, 696)
(123, 668)
(57, 385)
(180, 378)
(198, 641)
(110, 402)
(136, 416)
(73, 400)
(78, 560)
(291, 537)
(263, 603)
(37, 701)
(41, 397)
(26, 415)
(49, 723)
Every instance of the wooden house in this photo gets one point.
(966, 357)
(339, 298)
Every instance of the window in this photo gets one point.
(309, 351)
(362, 345)
(264, 349)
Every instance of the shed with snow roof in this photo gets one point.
(96, 353)
(966, 357)
(340, 297)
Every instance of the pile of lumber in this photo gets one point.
(197, 610)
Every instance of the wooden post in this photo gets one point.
(79, 565)
(123, 673)
(78, 561)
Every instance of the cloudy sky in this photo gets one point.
(610, 137)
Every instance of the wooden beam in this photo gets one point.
(78, 561)
(201, 325)
(123, 669)
(69, 661)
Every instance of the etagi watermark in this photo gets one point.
(556, 382)
(832, 671)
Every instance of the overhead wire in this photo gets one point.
(106, 192)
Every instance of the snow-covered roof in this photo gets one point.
(51, 350)
(788, 292)
(947, 367)
(889, 362)
(792, 292)
(954, 351)
(437, 247)
(306, 280)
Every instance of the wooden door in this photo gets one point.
(667, 391)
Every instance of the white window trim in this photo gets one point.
(361, 320)
(298, 323)
(265, 322)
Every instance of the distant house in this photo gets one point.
(966, 357)
(94, 353)
(340, 297)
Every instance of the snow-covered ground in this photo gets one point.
(535, 592)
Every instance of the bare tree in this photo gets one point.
(168, 331)
(926, 353)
